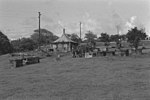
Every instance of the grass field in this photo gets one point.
(99, 78)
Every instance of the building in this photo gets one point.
(64, 43)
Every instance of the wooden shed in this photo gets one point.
(64, 43)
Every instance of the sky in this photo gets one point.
(19, 18)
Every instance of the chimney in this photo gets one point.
(64, 31)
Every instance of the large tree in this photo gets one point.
(90, 37)
(75, 38)
(24, 44)
(5, 46)
(135, 35)
(46, 36)
(104, 37)
(115, 37)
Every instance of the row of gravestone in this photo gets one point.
(24, 61)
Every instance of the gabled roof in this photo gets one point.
(64, 38)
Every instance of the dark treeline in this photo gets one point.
(133, 36)
(31, 43)
(5, 45)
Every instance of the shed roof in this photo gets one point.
(64, 39)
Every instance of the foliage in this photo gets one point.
(5, 46)
(104, 37)
(111, 38)
(90, 37)
(115, 37)
(134, 36)
(16, 45)
(46, 37)
(44, 31)
(75, 38)
(123, 37)
(24, 44)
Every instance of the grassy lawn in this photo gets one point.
(99, 78)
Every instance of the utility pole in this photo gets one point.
(80, 30)
(39, 29)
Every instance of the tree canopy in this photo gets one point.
(24, 44)
(74, 37)
(5, 46)
(104, 37)
(27, 44)
(46, 37)
(90, 36)
(135, 35)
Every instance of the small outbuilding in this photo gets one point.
(64, 43)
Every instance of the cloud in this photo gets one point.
(109, 3)
(133, 18)
(13, 33)
(61, 24)
(47, 19)
(131, 23)
(32, 22)
(90, 23)
(118, 21)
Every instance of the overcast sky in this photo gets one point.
(19, 18)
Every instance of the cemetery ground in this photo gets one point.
(98, 78)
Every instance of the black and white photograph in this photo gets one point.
(74, 49)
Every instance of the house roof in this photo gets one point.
(64, 38)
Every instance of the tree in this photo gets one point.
(134, 36)
(16, 45)
(5, 46)
(27, 44)
(104, 37)
(90, 37)
(75, 38)
(123, 37)
(46, 37)
(24, 44)
(115, 37)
